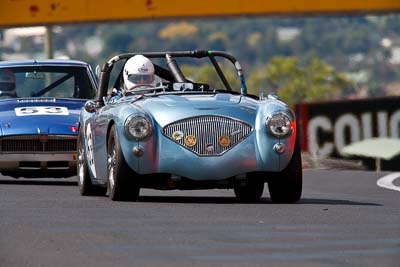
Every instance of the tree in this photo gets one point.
(175, 30)
(294, 83)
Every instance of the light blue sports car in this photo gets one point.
(185, 133)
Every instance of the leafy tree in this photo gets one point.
(175, 30)
(295, 83)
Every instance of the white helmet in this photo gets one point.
(138, 70)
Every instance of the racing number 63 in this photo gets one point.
(39, 110)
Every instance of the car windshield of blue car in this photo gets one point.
(201, 71)
(46, 81)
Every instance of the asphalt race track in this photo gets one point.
(343, 219)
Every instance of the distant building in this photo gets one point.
(24, 43)
(287, 34)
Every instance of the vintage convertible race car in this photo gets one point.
(40, 103)
(185, 134)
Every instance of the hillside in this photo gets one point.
(366, 49)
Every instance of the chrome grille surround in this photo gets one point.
(38, 144)
(37, 100)
(208, 130)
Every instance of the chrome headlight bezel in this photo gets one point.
(138, 127)
(280, 124)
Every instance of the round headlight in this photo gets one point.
(279, 124)
(137, 127)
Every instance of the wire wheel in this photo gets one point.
(86, 187)
(122, 182)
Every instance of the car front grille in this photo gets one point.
(208, 135)
(36, 145)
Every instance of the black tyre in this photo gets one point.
(286, 186)
(86, 187)
(251, 192)
(122, 185)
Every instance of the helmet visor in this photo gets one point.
(141, 78)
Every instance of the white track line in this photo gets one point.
(387, 181)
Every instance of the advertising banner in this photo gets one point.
(327, 127)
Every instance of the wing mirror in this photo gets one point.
(90, 106)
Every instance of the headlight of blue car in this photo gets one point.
(137, 127)
(279, 124)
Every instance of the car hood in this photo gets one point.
(39, 116)
(168, 108)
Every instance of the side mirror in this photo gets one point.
(90, 106)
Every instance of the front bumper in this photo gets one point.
(38, 164)
(246, 157)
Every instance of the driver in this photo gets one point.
(138, 70)
(7, 84)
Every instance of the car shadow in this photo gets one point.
(56, 182)
(335, 202)
(233, 200)
(194, 199)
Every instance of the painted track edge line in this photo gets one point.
(387, 181)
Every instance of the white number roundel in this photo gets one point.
(40, 110)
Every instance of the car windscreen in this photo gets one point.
(202, 71)
(46, 81)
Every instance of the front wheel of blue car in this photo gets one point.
(86, 187)
(286, 186)
(122, 185)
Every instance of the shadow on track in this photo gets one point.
(335, 202)
(233, 200)
(193, 199)
(56, 182)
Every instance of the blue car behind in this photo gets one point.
(40, 102)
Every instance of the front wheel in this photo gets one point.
(86, 187)
(286, 186)
(122, 185)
